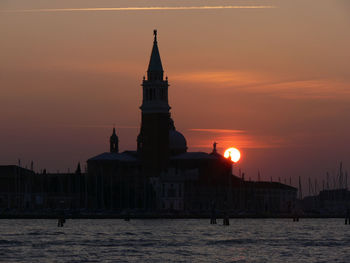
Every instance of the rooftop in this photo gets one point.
(127, 156)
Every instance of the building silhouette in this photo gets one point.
(161, 176)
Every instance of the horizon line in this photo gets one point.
(155, 8)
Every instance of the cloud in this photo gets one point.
(203, 139)
(268, 84)
(84, 66)
(217, 130)
(226, 138)
(97, 126)
(306, 89)
(155, 8)
(223, 78)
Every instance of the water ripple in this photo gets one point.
(245, 240)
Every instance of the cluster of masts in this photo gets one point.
(26, 167)
(44, 171)
(285, 181)
(338, 180)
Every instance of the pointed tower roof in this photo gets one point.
(113, 142)
(155, 63)
(78, 170)
(114, 135)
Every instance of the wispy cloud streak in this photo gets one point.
(218, 130)
(242, 139)
(268, 84)
(96, 126)
(155, 8)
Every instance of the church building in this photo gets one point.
(161, 175)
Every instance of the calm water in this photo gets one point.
(245, 240)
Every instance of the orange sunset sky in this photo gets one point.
(268, 77)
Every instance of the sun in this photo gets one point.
(233, 153)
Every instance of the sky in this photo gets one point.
(269, 77)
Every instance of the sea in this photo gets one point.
(174, 240)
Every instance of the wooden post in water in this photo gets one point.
(226, 221)
(347, 217)
(295, 213)
(213, 214)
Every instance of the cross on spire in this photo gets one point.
(155, 34)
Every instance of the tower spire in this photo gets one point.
(153, 140)
(113, 142)
(155, 68)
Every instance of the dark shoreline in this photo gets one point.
(158, 216)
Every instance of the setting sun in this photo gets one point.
(233, 153)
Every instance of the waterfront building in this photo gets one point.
(160, 176)
(24, 190)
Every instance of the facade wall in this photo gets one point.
(22, 189)
(114, 185)
(188, 186)
(154, 142)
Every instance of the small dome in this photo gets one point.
(177, 142)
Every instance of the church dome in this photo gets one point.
(177, 142)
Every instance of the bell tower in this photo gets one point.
(114, 142)
(153, 140)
